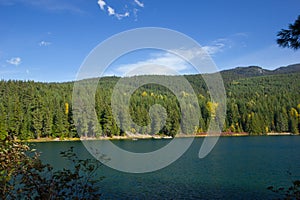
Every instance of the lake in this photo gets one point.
(237, 168)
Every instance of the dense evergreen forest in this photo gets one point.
(258, 101)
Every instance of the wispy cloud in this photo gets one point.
(217, 46)
(7, 2)
(120, 16)
(140, 4)
(241, 34)
(111, 11)
(54, 5)
(14, 61)
(213, 49)
(101, 3)
(164, 59)
(174, 62)
(44, 43)
(164, 63)
(192, 53)
(220, 45)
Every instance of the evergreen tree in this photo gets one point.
(290, 37)
(3, 123)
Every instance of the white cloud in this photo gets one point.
(201, 56)
(44, 43)
(217, 46)
(140, 4)
(177, 61)
(165, 59)
(220, 45)
(14, 61)
(120, 16)
(111, 11)
(101, 3)
(213, 49)
(162, 63)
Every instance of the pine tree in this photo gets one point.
(3, 121)
(37, 116)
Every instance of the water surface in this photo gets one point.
(237, 168)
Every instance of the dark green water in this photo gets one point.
(237, 168)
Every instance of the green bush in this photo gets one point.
(24, 176)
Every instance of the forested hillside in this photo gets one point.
(258, 101)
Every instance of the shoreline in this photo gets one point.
(158, 137)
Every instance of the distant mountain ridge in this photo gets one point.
(253, 71)
(288, 69)
(229, 75)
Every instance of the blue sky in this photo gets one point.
(47, 40)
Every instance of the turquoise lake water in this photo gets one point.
(237, 168)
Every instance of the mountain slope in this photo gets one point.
(289, 69)
(254, 71)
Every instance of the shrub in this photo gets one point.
(24, 176)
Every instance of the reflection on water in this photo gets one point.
(237, 168)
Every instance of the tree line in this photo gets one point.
(256, 105)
